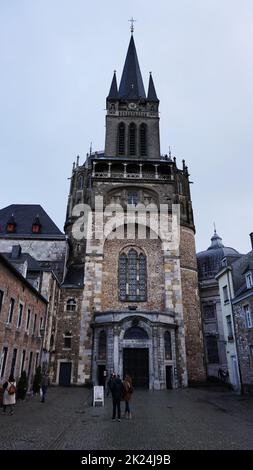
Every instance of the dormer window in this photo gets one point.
(249, 280)
(11, 224)
(36, 226)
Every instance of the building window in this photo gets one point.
(167, 345)
(23, 361)
(135, 332)
(229, 327)
(3, 360)
(249, 280)
(28, 320)
(41, 330)
(132, 139)
(34, 323)
(67, 339)
(143, 140)
(212, 349)
(71, 305)
(132, 198)
(30, 365)
(209, 311)
(11, 310)
(248, 316)
(121, 138)
(225, 294)
(1, 299)
(251, 354)
(132, 276)
(13, 361)
(102, 345)
(20, 314)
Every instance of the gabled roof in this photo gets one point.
(24, 215)
(131, 84)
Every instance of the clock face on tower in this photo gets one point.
(132, 105)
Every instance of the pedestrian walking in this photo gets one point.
(44, 385)
(9, 396)
(117, 390)
(127, 395)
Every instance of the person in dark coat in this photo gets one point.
(117, 390)
(109, 384)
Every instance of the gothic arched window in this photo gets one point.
(143, 140)
(135, 332)
(132, 276)
(167, 345)
(132, 139)
(121, 139)
(102, 345)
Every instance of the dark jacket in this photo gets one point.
(117, 389)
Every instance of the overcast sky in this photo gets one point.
(56, 64)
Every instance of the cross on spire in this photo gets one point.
(132, 21)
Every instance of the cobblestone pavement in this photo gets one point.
(178, 419)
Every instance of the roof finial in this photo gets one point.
(214, 226)
(132, 21)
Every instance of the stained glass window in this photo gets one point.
(132, 276)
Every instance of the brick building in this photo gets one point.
(22, 321)
(35, 246)
(130, 303)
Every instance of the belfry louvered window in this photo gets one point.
(143, 140)
(132, 139)
(121, 139)
(132, 276)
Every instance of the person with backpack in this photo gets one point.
(9, 396)
(127, 395)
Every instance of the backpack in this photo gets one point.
(12, 389)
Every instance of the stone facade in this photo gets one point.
(244, 336)
(141, 318)
(22, 317)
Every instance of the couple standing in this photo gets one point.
(120, 391)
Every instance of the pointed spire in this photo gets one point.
(151, 90)
(131, 85)
(113, 93)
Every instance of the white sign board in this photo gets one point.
(98, 395)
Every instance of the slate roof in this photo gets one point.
(113, 93)
(74, 277)
(209, 261)
(131, 84)
(152, 96)
(24, 216)
(32, 263)
(12, 268)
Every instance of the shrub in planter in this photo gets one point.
(22, 386)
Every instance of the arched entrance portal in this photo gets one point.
(136, 357)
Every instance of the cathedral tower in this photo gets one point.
(129, 301)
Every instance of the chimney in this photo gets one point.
(251, 238)
(15, 252)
